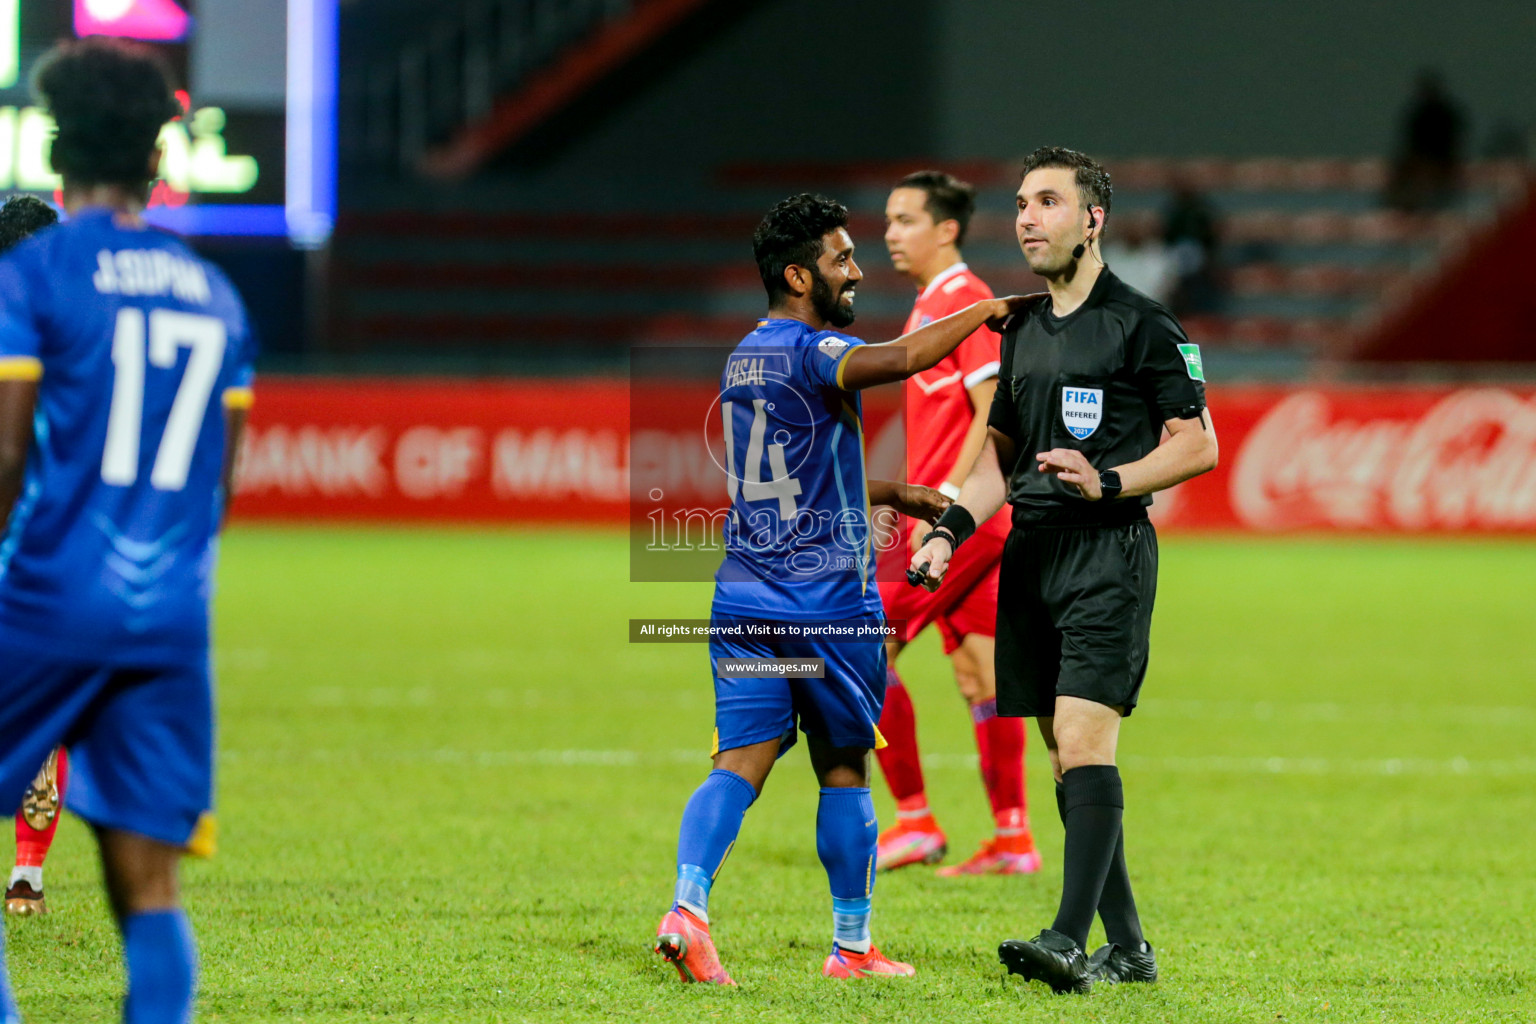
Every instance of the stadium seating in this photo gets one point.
(443, 88)
(1307, 255)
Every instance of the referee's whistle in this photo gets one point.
(915, 577)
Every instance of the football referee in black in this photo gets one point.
(1091, 376)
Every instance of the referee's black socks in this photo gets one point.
(1095, 879)
(1117, 905)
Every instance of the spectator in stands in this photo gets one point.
(1426, 173)
(1139, 257)
(1191, 234)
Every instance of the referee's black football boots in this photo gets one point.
(1050, 957)
(1113, 964)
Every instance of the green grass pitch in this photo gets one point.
(449, 791)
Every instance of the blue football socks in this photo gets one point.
(845, 839)
(8, 1012)
(711, 822)
(162, 967)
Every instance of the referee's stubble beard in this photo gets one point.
(1051, 222)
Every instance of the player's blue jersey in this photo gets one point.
(138, 345)
(798, 539)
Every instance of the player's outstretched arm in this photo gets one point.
(983, 493)
(869, 365)
(18, 400)
(913, 500)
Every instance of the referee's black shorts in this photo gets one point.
(1074, 615)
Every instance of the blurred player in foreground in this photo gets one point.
(946, 410)
(132, 358)
(38, 819)
(1090, 380)
(799, 554)
(36, 824)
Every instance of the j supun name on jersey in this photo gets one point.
(150, 272)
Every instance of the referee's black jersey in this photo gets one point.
(1102, 380)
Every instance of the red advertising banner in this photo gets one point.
(1366, 459)
(550, 451)
(1429, 459)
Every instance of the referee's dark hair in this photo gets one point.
(22, 216)
(791, 236)
(1091, 177)
(949, 198)
(110, 100)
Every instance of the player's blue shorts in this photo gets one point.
(140, 741)
(841, 708)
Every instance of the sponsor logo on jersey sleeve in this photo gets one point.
(1191, 354)
(832, 348)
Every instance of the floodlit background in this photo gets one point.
(450, 785)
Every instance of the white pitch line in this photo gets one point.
(1332, 766)
(1213, 765)
(1267, 711)
(382, 697)
(1260, 711)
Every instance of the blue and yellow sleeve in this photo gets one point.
(825, 360)
(841, 365)
(20, 342)
(21, 368)
(239, 397)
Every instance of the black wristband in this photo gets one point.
(936, 532)
(957, 522)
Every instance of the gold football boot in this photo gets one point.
(41, 804)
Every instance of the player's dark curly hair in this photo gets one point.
(949, 198)
(21, 216)
(791, 236)
(110, 100)
(1091, 177)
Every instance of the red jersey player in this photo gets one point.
(946, 418)
(36, 823)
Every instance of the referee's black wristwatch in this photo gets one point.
(1109, 484)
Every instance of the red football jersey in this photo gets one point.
(938, 403)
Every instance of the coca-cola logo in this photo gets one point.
(1468, 462)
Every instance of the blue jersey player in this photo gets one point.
(38, 820)
(796, 583)
(125, 365)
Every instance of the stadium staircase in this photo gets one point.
(446, 91)
(1476, 311)
(1308, 261)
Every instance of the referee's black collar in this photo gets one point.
(1054, 324)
